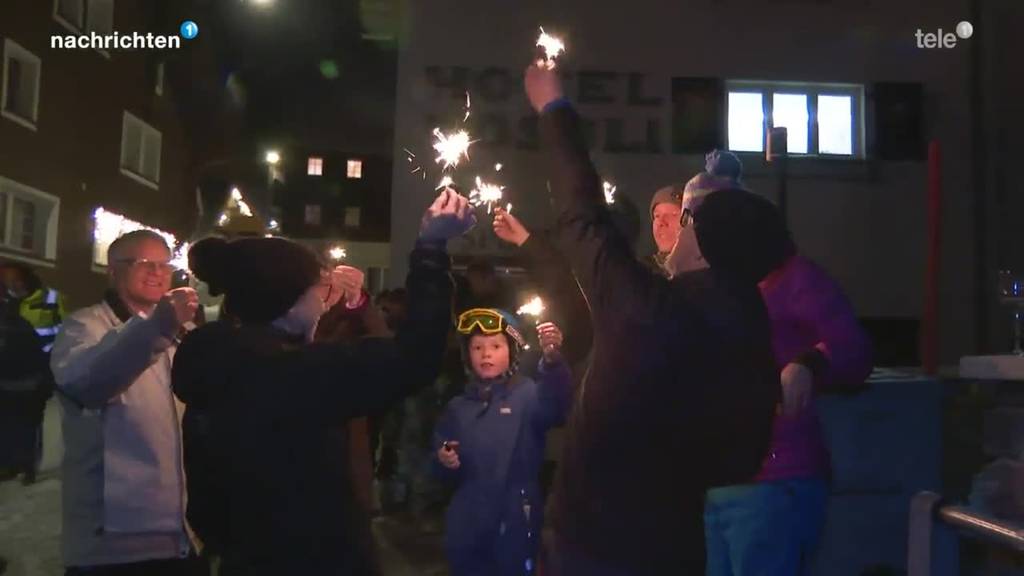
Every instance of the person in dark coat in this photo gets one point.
(682, 389)
(270, 490)
(24, 373)
(490, 444)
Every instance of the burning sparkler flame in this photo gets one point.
(609, 192)
(553, 47)
(445, 182)
(451, 147)
(534, 307)
(485, 193)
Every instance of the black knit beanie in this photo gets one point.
(261, 278)
(742, 235)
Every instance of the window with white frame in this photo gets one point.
(315, 167)
(28, 220)
(70, 13)
(355, 168)
(820, 119)
(99, 17)
(140, 150)
(20, 95)
(353, 214)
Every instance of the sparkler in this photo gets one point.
(451, 148)
(534, 307)
(553, 47)
(485, 193)
(609, 192)
(337, 253)
(445, 182)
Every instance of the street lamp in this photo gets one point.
(273, 157)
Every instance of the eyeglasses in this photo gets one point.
(489, 321)
(686, 218)
(150, 266)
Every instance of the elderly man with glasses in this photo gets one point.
(123, 480)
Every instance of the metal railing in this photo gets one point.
(934, 529)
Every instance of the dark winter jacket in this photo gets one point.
(680, 395)
(494, 520)
(269, 485)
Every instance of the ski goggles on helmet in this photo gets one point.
(487, 320)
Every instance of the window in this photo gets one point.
(355, 168)
(352, 216)
(313, 214)
(316, 166)
(140, 151)
(28, 221)
(70, 13)
(746, 122)
(100, 17)
(820, 119)
(835, 124)
(22, 71)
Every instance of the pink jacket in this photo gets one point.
(812, 323)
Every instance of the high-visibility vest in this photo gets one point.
(44, 310)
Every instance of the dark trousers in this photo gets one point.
(192, 566)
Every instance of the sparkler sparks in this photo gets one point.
(553, 47)
(337, 253)
(534, 307)
(485, 193)
(445, 182)
(467, 108)
(451, 148)
(609, 192)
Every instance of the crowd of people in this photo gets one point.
(248, 445)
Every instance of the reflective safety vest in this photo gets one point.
(44, 310)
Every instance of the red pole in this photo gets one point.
(930, 314)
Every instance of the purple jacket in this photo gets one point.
(813, 323)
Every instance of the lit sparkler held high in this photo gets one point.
(553, 47)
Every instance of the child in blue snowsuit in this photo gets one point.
(490, 444)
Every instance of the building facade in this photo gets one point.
(84, 129)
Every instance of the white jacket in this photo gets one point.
(123, 479)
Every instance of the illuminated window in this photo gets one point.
(820, 119)
(316, 166)
(355, 168)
